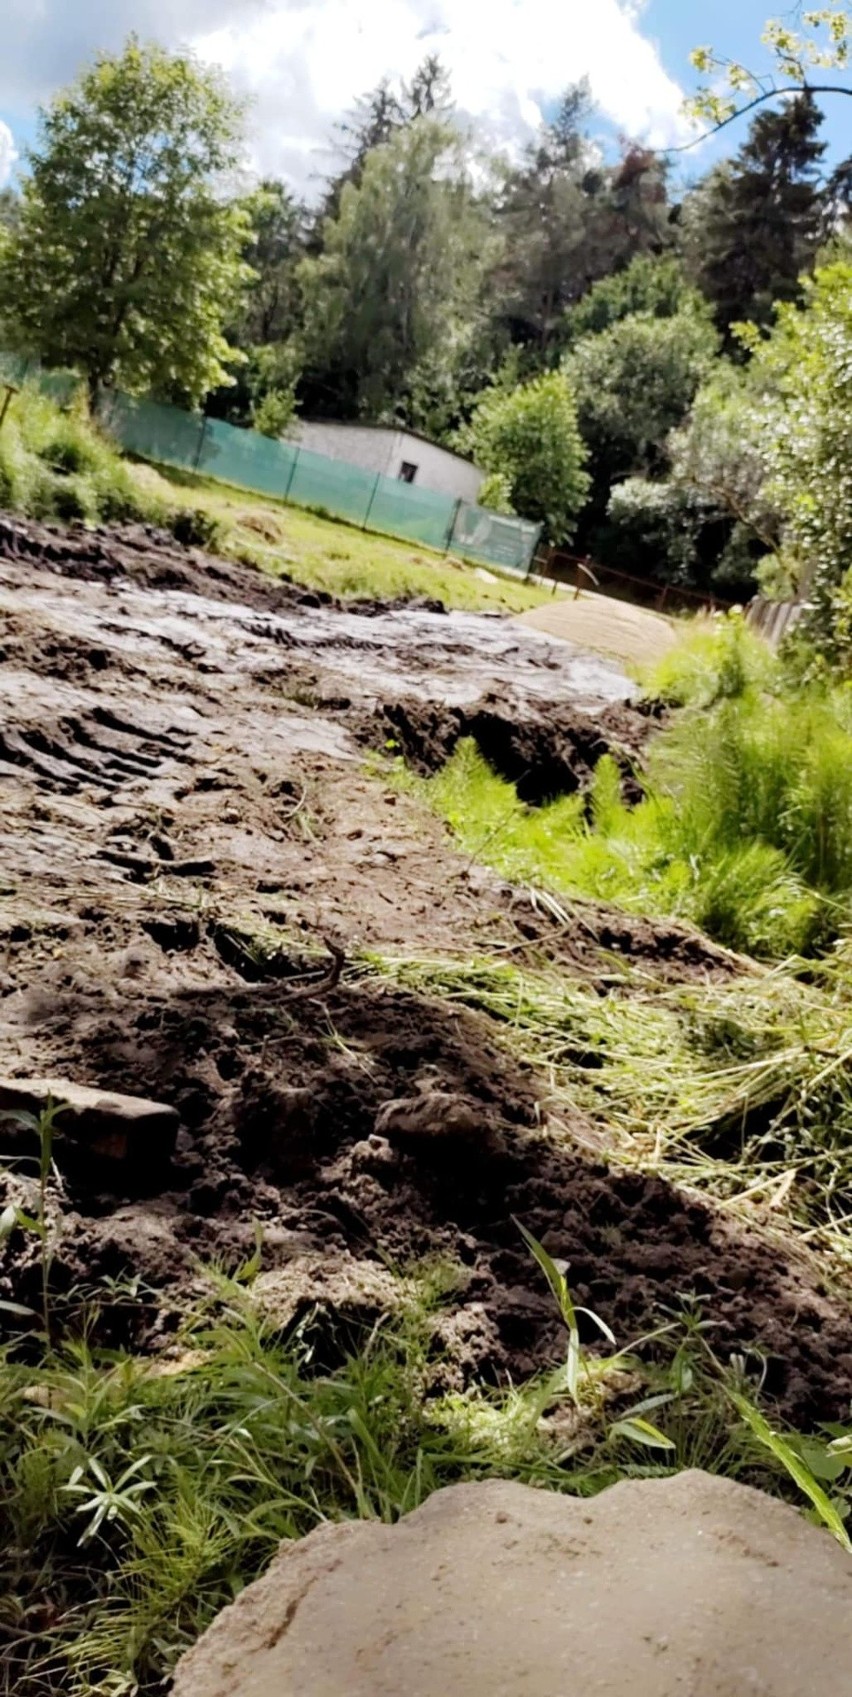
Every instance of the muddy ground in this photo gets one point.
(185, 813)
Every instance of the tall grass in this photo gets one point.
(138, 1496)
(56, 464)
(745, 828)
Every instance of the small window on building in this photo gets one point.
(407, 472)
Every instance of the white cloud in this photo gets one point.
(305, 63)
(8, 154)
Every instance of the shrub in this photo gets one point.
(529, 437)
(717, 660)
(55, 464)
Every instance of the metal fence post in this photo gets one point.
(371, 500)
(292, 474)
(199, 450)
(452, 525)
(533, 546)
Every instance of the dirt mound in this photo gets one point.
(660, 1587)
(545, 749)
(147, 556)
(384, 1126)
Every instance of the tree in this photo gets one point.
(379, 116)
(653, 284)
(9, 209)
(429, 93)
(277, 226)
(801, 378)
(540, 211)
(568, 221)
(708, 521)
(126, 259)
(633, 383)
(798, 60)
(755, 224)
(398, 278)
(529, 437)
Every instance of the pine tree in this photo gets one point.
(378, 116)
(756, 222)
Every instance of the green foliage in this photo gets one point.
(719, 660)
(823, 44)
(803, 417)
(54, 463)
(566, 223)
(399, 273)
(756, 222)
(656, 529)
(274, 414)
(126, 260)
(495, 492)
(651, 284)
(634, 382)
(274, 244)
(529, 436)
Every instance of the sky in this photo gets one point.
(304, 62)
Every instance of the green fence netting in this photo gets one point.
(251, 461)
(190, 442)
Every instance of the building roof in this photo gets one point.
(394, 429)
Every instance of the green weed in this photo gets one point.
(745, 828)
(718, 660)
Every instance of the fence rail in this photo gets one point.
(774, 619)
(582, 574)
(192, 442)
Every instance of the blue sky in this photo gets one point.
(303, 62)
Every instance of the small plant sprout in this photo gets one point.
(104, 1501)
(45, 1128)
(632, 1425)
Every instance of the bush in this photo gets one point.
(55, 464)
(529, 438)
(718, 660)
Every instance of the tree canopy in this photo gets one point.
(125, 259)
(528, 436)
(398, 275)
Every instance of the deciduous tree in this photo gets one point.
(126, 259)
(529, 437)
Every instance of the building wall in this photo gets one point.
(376, 449)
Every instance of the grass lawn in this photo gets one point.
(331, 555)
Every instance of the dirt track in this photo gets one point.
(182, 771)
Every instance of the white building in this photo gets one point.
(395, 453)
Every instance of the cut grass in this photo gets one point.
(741, 1088)
(336, 557)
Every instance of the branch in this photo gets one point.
(321, 986)
(759, 100)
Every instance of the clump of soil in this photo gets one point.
(545, 749)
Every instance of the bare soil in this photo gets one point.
(185, 812)
(634, 635)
